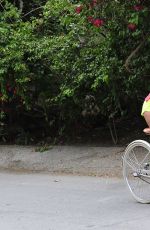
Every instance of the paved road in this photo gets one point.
(51, 202)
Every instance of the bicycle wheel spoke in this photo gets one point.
(132, 163)
(145, 157)
(136, 159)
(135, 156)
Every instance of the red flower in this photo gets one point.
(93, 4)
(78, 9)
(138, 7)
(132, 26)
(98, 22)
(90, 19)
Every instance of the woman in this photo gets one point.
(146, 113)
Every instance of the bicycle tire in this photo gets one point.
(136, 157)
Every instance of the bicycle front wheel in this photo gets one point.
(136, 170)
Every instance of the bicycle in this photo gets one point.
(136, 170)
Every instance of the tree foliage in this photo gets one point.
(68, 61)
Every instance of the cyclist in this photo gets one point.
(146, 113)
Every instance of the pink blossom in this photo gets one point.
(93, 4)
(98, 22)
(132, 26)
(138, 7)
(78, 9)
(90, 19)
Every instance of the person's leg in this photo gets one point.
(147, 119)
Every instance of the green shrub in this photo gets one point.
(67, 61)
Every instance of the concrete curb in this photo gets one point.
(82, 160)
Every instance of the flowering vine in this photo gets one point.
(99, 22)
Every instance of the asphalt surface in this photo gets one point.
(54, 202)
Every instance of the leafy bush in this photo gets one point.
(68, 61)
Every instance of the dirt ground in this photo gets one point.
(77, 160)
(94, 155)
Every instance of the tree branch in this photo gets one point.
(133, 53)
(40, 7)
(21, 5)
